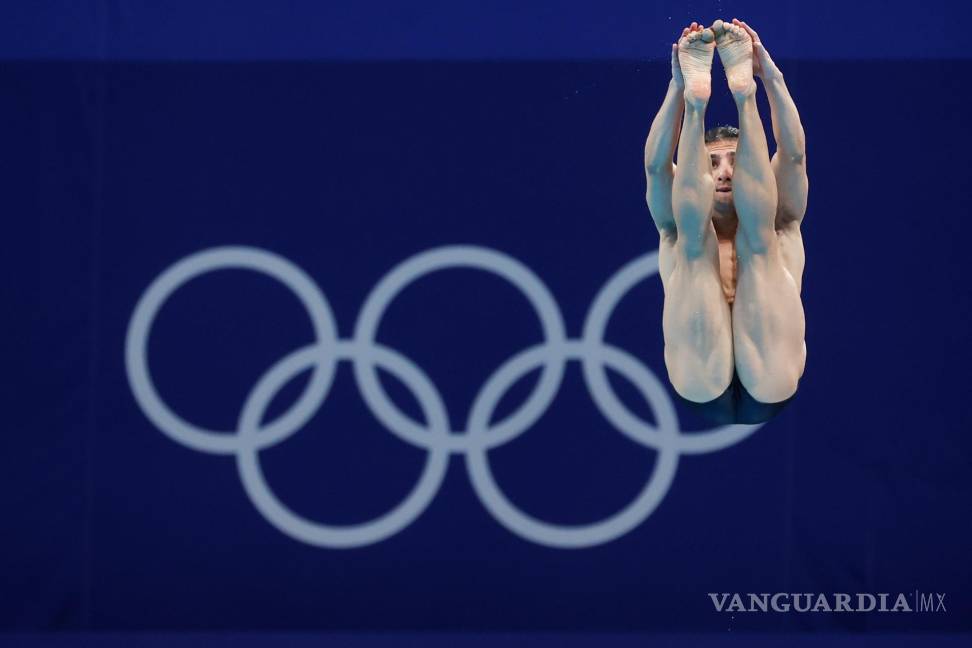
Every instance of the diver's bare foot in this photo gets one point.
(696, 48)
(736, 53)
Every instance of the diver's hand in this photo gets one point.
(676, 68)
(763, 65)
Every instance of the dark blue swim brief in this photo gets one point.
(736, 405)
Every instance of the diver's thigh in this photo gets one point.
(697, 325)
(768, 327)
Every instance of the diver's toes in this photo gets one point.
(707, 36)
(718, 28)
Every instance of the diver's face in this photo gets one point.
(722, 155)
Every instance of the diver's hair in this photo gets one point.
(721, 133)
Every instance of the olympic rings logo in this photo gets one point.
(437, 436)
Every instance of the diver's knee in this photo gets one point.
(773, 388)
(699, 383)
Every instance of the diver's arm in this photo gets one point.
(787, 129)
(789, 161)
(663, 136)
(660, 149)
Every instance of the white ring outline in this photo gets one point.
(436, 259)
(583, 535)
(315, 533)
(180, 273)
(436, 437)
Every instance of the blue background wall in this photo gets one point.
(348, 140)
(502, 29)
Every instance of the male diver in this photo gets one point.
(731, 254)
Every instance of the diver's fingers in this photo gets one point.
(750, 30)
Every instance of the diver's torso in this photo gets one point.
(791, 251)
(728, 268)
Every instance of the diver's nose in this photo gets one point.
(724, 172)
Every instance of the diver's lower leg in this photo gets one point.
(696, 319)
(767, 321)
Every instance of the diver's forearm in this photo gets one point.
(787, 129)
(663, 136)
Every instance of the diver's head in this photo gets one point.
(721, 142)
